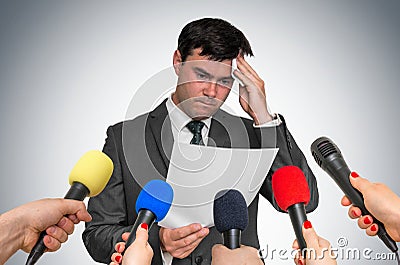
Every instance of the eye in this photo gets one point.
(226, 82)
(201, 76)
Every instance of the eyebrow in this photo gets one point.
(202, 71)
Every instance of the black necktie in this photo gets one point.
(195, 127)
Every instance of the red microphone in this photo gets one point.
(292, 194)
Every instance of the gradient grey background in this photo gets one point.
(68, 69)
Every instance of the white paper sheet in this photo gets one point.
(198, 173)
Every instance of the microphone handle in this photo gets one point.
(232, 238)
(340, 173)
(37, 251)
(297, 213)
(78, 192)
(144, 216)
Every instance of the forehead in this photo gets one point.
(216, 68)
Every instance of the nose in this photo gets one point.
(210, 89)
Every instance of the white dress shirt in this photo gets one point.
(179, 119)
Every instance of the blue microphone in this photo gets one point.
(152, 204)
(231, 216)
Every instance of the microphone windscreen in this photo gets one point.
(324, 150)
(93, 170)
(230, 211)
(156, 196)
(290, 187)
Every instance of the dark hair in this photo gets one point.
(218, 39)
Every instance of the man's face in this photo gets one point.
(203, 84)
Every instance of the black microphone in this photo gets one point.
(88, 178)
(231, 216)
(152, 204)
(292, 194)
(329, 158)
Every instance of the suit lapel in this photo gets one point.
(161, 134)
(218, 135)
(160, 126)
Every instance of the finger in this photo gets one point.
(252, 76)
(310, 236)
(78, 208)
(125, 236)
(295, 244)
(243, 78)
(354, 212)
(185, 251)
(365, 221)
(192, 239)
(113, 257)
(185, 231)
(358, 182)
(345, 201)
(67, 225)
(372, 230)
(57, 233)
(241, 62)
(142, 235)
(243, 96)
(251, 79)
(253, 251)
(218, 249)
(323, 243)
(83, 215)
(51, 243)
(116, 257)
(246, 80)
(73, 218)
(298, 259)
(120, 247)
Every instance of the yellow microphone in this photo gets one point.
(88, 178)
(93, 170)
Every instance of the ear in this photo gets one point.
(177, 60)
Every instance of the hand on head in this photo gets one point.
(252, 95)
(380, 201)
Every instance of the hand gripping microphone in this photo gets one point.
(329, 158)
(230, 216)
(152, 204)
(88, 178)
(292, 194)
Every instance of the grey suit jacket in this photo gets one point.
(140, 150)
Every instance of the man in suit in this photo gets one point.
(141, 148)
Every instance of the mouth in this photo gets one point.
(211, 103)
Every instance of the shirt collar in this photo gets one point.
(178, 118)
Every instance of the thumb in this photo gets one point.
(358, 182)
(218, 250)
(142, 234)
(68, 206)
(310, 236)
